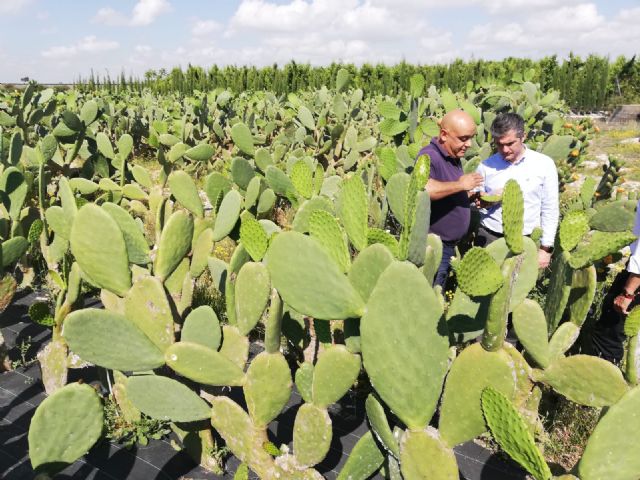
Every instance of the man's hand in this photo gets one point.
(544, 258)
(621, 303)
(469, 181)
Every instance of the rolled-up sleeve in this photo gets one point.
(549, 208)
(634, 260)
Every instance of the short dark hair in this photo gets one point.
(505, 122)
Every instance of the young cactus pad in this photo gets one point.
(423, 455)
(513, 216)
(64, 427)
(478, 273)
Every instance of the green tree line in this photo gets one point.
(588, 84)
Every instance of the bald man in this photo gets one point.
(448, 186)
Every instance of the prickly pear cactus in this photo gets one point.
(513, 216)
(478, 273)
(573, 227)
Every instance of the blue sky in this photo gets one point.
(57, 41)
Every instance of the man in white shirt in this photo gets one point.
(537, 176)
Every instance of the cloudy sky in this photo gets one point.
(60, 40)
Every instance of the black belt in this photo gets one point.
(488, 230)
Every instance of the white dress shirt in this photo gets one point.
(537, 177)
(634, 260)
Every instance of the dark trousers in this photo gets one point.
(607, 335)
(484, 237)
(448, 251)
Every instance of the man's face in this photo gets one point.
(510, 146)
(457, 139)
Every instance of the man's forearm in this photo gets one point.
(438, 189)
(632, 284)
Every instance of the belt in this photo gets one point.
(488, 230)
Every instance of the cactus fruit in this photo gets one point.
(242, 138)
(202, 364)
(110, 340)
(600, 245)
(99, 247)
(166, 399)
(202, 326)
(137, 247)
(64, 427)
(252, 290)
(313, 285)
(573, 227)
(267, 387)
(471, 372)
(424, 455)
(147, 306)
(184, 189)
(325, 228)
(380, 426)
(311, 434)
(175, 243)
(253, 237)
(364, 459)
(334, 373)
(389, 348)
(228, 215)
(530, 326)
(477, 273)
(513, 216)
(302, 178)
(586, 380)
(610, 452)
(353, 210)
(511, 432)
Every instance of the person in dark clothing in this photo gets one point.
(448, 186)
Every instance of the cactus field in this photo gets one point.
(261, 244)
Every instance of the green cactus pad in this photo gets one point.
(600, 245)
(396, 191)
(491, 198)
(204, 365)
(335, 372)
(377, 235)
(573, 227)
(242, 172)
(472, 371)
(302, 178)
(562, 340)
(559, 290)
(64, 427)
(303, 214)
(380, 425)
(353, 210)
(175, 243)
(228, 215)
(184, 189)
(495, 328)
(201, 250)
(238, 258)
(408, 382)
(325, 228)
(200, 153)
(611, 451)
(110, 341)
(252, 292)
(511, 432)
(583, 291)
(478, 273)
(273, 323)
(267, 387)
(242, 138)
(166, 399)
(309, 280)
(364, 459)
(53, 364)
(513, 216)
(147, 306)
(632, 322)
(99, 247)
(312, 434)
(279, 182)
(304, 381)
(586, 380)
(417, 239)
(13, 249)
(15, 189)
(254, 189)
(432, 257)
(137, 247)
(216, 187)
(530, 326)
(367, 268)
(253, 237)
(202, 326)
(141, 175)
(266, 201)
(424, 455)
(58, 222)
(235, 346)
(612, 218)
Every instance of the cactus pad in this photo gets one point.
(302, 178)
(364, 459)
(301, 220)
(202, 326)
(304, 381)
(353, 210)
(573, 227)
(424, 455)
(252, 290)
(242, 138)
(253, 237)
(65, 426)
(235, 346)
(511, 432)
(228, 215)
(110, 341)
(586, 380)
(325, 228)
(175, 243)
(202, 247)
(530, 326)
(137, 247)
(377, 235)
(562, 340)
(312, 434)
(99, 247)
(380, 426)
(201, 364)
(583, 291)
(390, 349)
(335, 372)
(184, 189)
(166, 399)
(478, 273)
(600, 245)
(513, 216)
(632, 322)
(267, 387)
(309, 280)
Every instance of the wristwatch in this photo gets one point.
(627, 295)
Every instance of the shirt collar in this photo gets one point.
(526, 149)
(442, 151)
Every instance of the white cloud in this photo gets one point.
(89, 44)
(13, 6)
(205, 27)
(144, 13)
